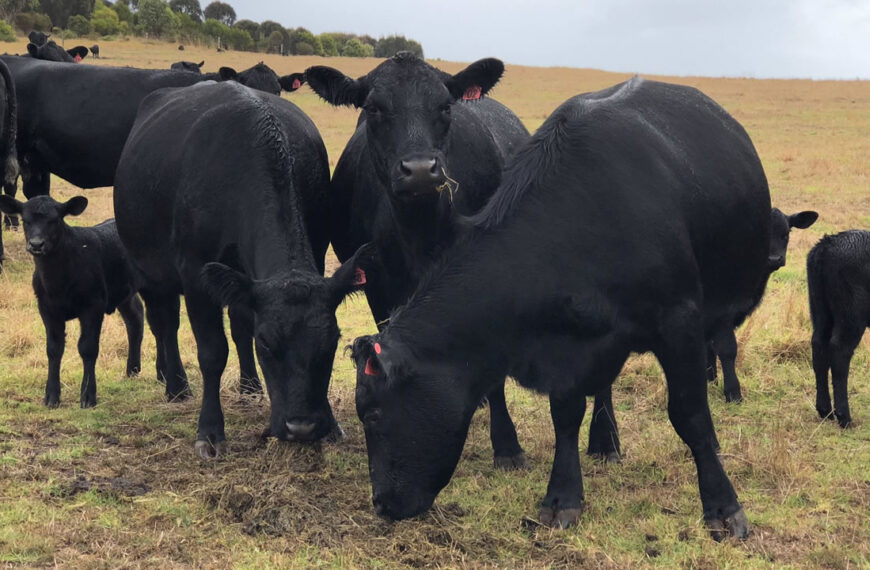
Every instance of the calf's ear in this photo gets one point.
(9, 205)
(335, 87)
(353, 274)
(227, 73)
(476, 80)
(74, 206)
(292, 82)
(201, 63)
(370, 356)
(803, 220)
(225, 285)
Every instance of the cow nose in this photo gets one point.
(419, 175)
(35, 245)
(775, 262)
(300, 431)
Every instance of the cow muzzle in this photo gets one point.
(419, 175)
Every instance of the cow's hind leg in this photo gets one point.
(10, 220)
(507, 453)
(89, 348)
(206, 319)
(821, 366)
(844, 340)
(242, 331)
(711, 363)
(134, 321)
(603, 432)
(681, 352)
(725, 344)
(162, 311)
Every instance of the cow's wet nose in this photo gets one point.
(418, 175)
(301, 431)
(36, 245)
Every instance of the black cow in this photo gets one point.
(187, 66)
(38, 38)
(76, 128)
(8, 135)
(838, 275)
(234, 234)
(95, 50)
(636, 219)
(420, 158)
(724, 344)
(81, 273)
(50, 51)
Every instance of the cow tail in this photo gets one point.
(820, 313)
(10, 122)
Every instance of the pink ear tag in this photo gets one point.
(377, 348)
(78, 58)
(359, 278)
(370, 369)
(472, 93)
(296, 83)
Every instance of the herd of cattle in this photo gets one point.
(635, 219)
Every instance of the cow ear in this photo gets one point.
(74, 206)
(292, 82)
(227, 74)
(200, 64)
(335, 87)
(9, 205)
(353, 274)
(803, 220)
(476, 80)
(33, 50)
(371, 357)
(225, 285)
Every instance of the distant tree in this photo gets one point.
(7, 32)
(123, 11)
(367, 39)
(105, 21)
(155, 18)
(79, 25)
(189, 7)
(355, 48)
(269, 26)
(275, 42)
(27, 21)
(11, 8)
(189, 30)
(303, 36)
(220, 11)
(60, 10)
(330, 46)
(253, 28)
(391, 45)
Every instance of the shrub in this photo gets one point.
(105, 20)
(79, 25)
(27, 21)
(7, 33)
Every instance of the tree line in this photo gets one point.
(186, 21)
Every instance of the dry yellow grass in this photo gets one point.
(117, 486)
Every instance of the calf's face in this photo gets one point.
(780, 227)
(42, 217)
(415, 423)
(296, 335)
(407, 105)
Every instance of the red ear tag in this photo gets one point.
(377, 348)
(370, 369)
(78, 58)
(296, 83)
(359, 277)
(472, 93)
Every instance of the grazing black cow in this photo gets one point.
(95, 50)
(77, 128)
(838, 276)
(81, 273)
(234, 234)
(420, 158)
(187, 66)
(8, 135)
(50, 51)
(636, 219)
(724, 343)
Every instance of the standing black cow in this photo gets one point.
(81, 273)
(636, 219)
(8, 136)
(838, 275)
(234, 234)
(724, 343)
(420, 158)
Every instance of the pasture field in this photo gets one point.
(118, 485)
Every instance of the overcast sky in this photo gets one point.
(753, 38)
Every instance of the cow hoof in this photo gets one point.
(179, 396)
(207, 450)
(844, 421)
(735, 525)
(559, 518)
(825, 413)
(511, 463)
(88, 403)
(51, 402)
(132, 371)
(250, 386)
(735, 397)
(335, 435)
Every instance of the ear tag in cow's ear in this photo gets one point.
(359, 278)
(473, 93)
(377, 348)
(371, 370)
(296, 83)
(78, 58)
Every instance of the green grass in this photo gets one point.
(118, 485)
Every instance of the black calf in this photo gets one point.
(838, 275)
(81, 273)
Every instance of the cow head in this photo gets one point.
(260, 77)
(292, 82)
(187, 66)
(296, 335)
(42, 217)
(407, 106)
(415, 419)
(780, 227)
(38, 38)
